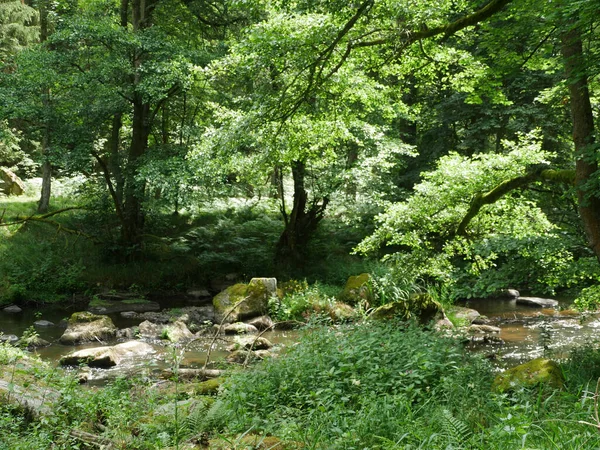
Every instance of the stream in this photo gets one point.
(526, 333)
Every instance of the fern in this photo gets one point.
(455, 430)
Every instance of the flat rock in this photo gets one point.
(104, 357)
(483, 329)
(43, 323)
(240, 328)
(537, 302)
(13, 309)
(98, 306)
(10, 338)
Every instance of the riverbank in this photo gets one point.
(379, 385)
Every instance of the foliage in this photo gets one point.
(588, 299)
(397, 387)
(507, 237)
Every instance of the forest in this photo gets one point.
(241, 224)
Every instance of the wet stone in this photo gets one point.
(13, 309)
(537, 302)
(43, 323)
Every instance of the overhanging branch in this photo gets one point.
(490, 197)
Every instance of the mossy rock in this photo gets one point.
(390, 311)
(420, 306)
(357, 290)
(244, 301)
(209, 387)
(85, 327)
(533, 373)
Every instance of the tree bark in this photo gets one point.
(302, 222)
(44, 202)
(586, 167)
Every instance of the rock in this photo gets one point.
(13, 309)
(288, 325)
(507, 294)
(487, 339)
(102, 306)
(481, 320)
(462, 315)
(389, 311)
(443, 324)
(43, 323)
(33, 342)
(250, 343)
(86, 327)
(174, 332)
(240, 328)
(241, 356)
(10, 183)
(126, 333)
(537, 302)
(241, 301)
(340, 312)
(357, 290)
(9, 338)
(198, 293)
(483, 329)
(128, 314)
(104, 357)
(530, 374)
(262, 323)
(209, 387)
(188, 315)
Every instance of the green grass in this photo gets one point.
(387, 386)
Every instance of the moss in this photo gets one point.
(209, 387)
(136, 301)
(535, 372)
(84, 317)
(356, 289)
(99, 303)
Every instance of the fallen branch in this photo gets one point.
(93, 439)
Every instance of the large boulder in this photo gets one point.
(462, 316)
(85, 327)
(250, 343)
(241, 301)
(104, 357)
(357, 290)
(532, 373)
(174, 332)
(10, 183)
(537, 302)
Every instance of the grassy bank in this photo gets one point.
(369, 385)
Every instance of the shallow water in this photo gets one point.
(532, 332)
(526, 333)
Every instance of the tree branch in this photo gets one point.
(539, 174)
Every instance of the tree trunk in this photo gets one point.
(44, 202)
(133, 215)
(586, 167)
(301, 223)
